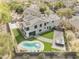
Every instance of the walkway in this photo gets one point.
(44, 39)
(12, 25)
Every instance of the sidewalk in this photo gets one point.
(44, 39)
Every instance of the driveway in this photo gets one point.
(58, 38)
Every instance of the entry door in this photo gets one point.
(32, 33)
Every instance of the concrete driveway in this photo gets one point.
(58, 36)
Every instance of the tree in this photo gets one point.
(43, 9)
(18, 7)
(58, 4)
(6, 44)
(5, 14)
(49, 4)
(26, 56)
(65, 12)
(41, 56)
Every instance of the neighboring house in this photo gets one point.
(36, 25)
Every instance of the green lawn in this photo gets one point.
(48, 47)
(19, 37)
(48, 35)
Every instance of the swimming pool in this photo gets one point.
(32, 46)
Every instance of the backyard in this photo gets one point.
(48, 35)
(47, 46)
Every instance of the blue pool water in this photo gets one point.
(31, 45)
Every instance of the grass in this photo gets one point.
(48, 47)
(31, 39)
(48, 35)
(19, 37)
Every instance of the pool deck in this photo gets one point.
(20, 48)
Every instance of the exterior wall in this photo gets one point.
(43, 28)
(31, 29)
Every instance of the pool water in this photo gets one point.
(31, 45)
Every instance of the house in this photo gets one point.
(33, 25)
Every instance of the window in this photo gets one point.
(47, 22)
(40, 25)
(35, 26)
(40, 30)
(25, 33)
(27, 29)
(44, 24)
(44, 27)
(52, 21)
(47, 27)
